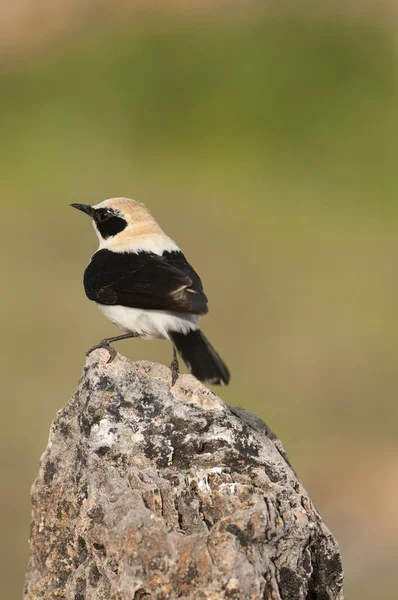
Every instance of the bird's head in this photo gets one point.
(125, 225)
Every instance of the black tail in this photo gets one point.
(200, 357)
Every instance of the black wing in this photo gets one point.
(145, 280)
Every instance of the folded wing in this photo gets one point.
(144, 280)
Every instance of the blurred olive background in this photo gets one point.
(265, 142)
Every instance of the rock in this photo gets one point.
(150, 492)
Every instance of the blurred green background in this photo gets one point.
(265, 142)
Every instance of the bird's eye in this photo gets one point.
(101, 216)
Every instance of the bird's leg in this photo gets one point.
(106, 343)
(174, 367)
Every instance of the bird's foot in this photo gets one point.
(175, 369)
(106, 346)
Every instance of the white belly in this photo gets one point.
(149, 324)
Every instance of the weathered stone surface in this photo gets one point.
(149, 492)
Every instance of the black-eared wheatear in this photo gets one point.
(142, 282)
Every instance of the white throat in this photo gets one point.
(149, 242)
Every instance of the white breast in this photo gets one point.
(149, 324)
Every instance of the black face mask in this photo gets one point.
(108, 222)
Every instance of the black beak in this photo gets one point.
(86, 208)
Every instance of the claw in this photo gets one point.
(175, 369)
(106, 346)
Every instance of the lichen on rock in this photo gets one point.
(148, 491)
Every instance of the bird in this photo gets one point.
(142, 282)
